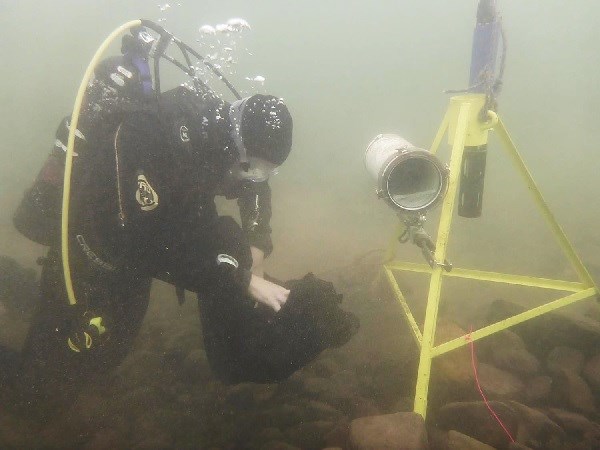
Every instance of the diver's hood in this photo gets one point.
(261, 128)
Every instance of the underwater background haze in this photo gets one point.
(349, 70)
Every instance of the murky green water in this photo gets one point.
(350, 70)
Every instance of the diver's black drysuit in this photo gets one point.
(143, 188)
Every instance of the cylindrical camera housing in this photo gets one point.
(410, 179)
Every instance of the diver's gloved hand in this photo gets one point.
(268, 293)
(86, 330)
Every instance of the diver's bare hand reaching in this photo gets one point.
(267, 293)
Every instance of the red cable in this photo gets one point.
(485, 400)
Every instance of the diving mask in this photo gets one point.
(254, 169)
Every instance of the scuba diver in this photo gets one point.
(147, 168)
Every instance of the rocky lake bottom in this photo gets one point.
(542, 379)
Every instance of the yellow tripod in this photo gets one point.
(464, 128)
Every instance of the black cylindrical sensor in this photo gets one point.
(472, 174)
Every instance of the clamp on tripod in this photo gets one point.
(416, 234)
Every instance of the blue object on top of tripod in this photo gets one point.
(482, 77)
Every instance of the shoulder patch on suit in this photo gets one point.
(223, 258)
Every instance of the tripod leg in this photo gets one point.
(435, 284)
(563, 241)
(440, 134)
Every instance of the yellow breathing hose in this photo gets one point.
(69, 156)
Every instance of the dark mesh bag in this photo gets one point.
(248, 344)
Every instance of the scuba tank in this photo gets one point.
(121, 83)
(38, 215)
